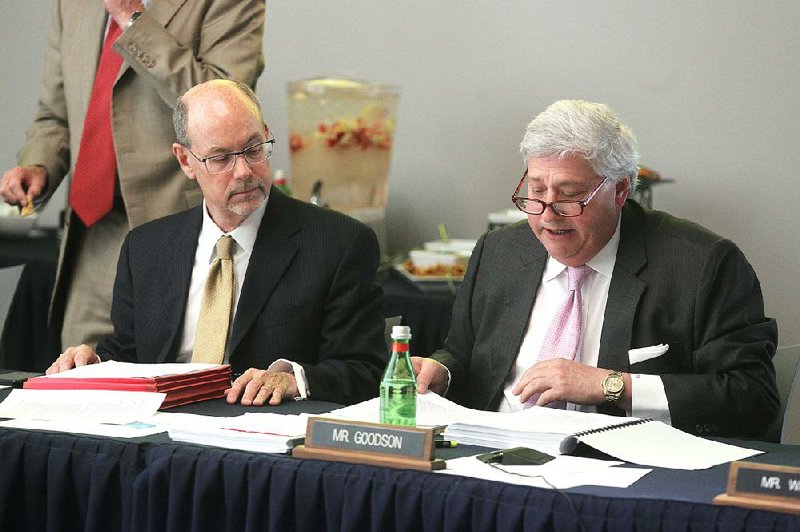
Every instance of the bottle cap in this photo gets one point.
(401, 332)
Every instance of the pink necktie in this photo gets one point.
(564, 334)
(95, 174)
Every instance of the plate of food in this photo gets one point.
(428, 268)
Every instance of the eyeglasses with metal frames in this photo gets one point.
(565, 208)
(224, 162)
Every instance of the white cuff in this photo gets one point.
(648, 398)
(299, 375)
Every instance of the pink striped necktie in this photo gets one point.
(564, 335)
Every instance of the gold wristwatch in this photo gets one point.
(613, 386)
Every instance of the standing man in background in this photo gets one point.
(113, 70)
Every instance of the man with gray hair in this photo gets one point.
(597, 304)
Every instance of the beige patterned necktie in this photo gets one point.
(216, 307)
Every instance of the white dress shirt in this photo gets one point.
(245, 238)
(648, 396)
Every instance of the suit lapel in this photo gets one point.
(87, 44)
(177, 257)
(523, 280)
(273, 252)
(624, 293)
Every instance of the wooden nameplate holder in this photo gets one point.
(369, 443)
(762, 487)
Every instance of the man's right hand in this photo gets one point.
(431, 375)
(83, 355)
(22, 183)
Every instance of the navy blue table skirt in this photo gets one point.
(59, 482)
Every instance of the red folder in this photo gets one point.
(180, 388)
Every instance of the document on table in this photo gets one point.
(95, 406)
(555, 431)
(257, 432)
(135, 429)
(561, 473)
(112, 369)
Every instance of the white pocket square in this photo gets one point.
(646, 353)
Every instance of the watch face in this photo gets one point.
(614, 383)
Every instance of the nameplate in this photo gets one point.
(762, 486)
(370, 443)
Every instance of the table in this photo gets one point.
(52, 481)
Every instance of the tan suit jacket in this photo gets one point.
(173, 46)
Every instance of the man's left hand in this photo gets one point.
(258, 387)
(559, 379)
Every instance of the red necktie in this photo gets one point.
(92, 192)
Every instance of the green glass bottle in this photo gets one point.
(399, 385)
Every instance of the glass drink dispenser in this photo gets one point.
(340, 136)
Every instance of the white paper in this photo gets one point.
(257, 432)
(561, 473)
(129, 430)
(551, 431)
(120, 370)
(96, 406)
(657, 444)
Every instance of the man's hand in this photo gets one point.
(83, 355)
(23, 183)
(431, 375)
(565, 380)
(256, 387)
(121, 10)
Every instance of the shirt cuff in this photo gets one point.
(648, 398)
(299, 375)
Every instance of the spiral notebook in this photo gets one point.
(653, 443)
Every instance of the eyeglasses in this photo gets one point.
(224, 162)
(564, 208)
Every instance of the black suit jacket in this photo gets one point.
(309, 295)
(674, 282)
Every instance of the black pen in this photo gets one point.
(445, 444)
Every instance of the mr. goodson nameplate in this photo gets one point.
(373, 443)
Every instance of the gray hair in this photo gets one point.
(590, 130)
(180, 114)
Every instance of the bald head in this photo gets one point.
(216, 97)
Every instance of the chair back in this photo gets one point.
(785, 358)
(9, 278)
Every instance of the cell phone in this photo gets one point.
(16, 378)
(515, 456)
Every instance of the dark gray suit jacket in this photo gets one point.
(674, 282)
(309, 295)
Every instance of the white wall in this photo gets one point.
(712, 90)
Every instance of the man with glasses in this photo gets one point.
(305, 318)
(597, 304)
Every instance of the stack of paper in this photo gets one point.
(183, 383)
(257, 432)
(555, 431)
